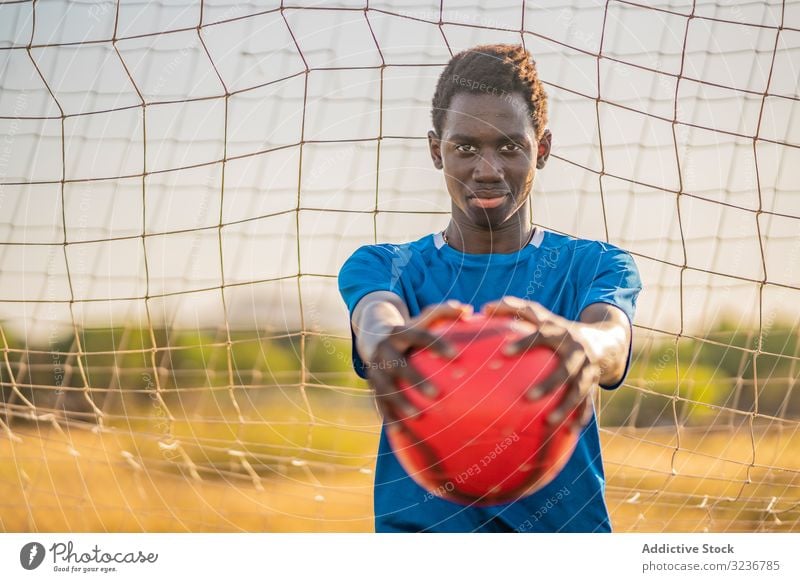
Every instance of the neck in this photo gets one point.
(472, 239)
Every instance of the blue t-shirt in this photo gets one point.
(562, 273)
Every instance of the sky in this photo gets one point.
(131, 195)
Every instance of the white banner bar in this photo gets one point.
(401, 557)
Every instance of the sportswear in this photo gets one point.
(562, 273)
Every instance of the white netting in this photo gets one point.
(181, 181)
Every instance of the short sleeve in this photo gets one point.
(611, 276)
(370, 268)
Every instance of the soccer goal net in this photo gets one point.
(180, 182)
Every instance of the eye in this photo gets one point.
(510, 147)
(466, 148)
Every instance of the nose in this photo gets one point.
(488, 168)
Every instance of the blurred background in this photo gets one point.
(180, 182)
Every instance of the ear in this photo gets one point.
(543, 149)
(435, 147)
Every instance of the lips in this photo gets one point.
(487, 198)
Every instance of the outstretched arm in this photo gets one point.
(373, 319)
(605, 334)
(592, 351)
(384, 333)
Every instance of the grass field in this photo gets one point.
(716, 481)
(45, 485)
(86, 481)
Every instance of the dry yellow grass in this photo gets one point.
(725, 481)
(46, 487)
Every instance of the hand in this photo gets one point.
(388, 364)
(575, 370)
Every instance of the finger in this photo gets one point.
(394, 405)
(418, 382)
(570, 353)
(524, 309)
(383, 377)
(505, 303)
(547, 334)
(540, 337)
(572, 401)
(422, 338)
(584, 417)
(398, 405)
(386, 389)
(557, 378)
(399, 368)
(443, 347)
(577, 394)
(451, 309)
(510, 305)
(575, 360)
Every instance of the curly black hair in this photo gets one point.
(496, 69)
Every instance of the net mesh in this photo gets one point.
(180, 183)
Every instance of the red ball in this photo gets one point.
(480, 441)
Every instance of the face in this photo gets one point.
(489, 154)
